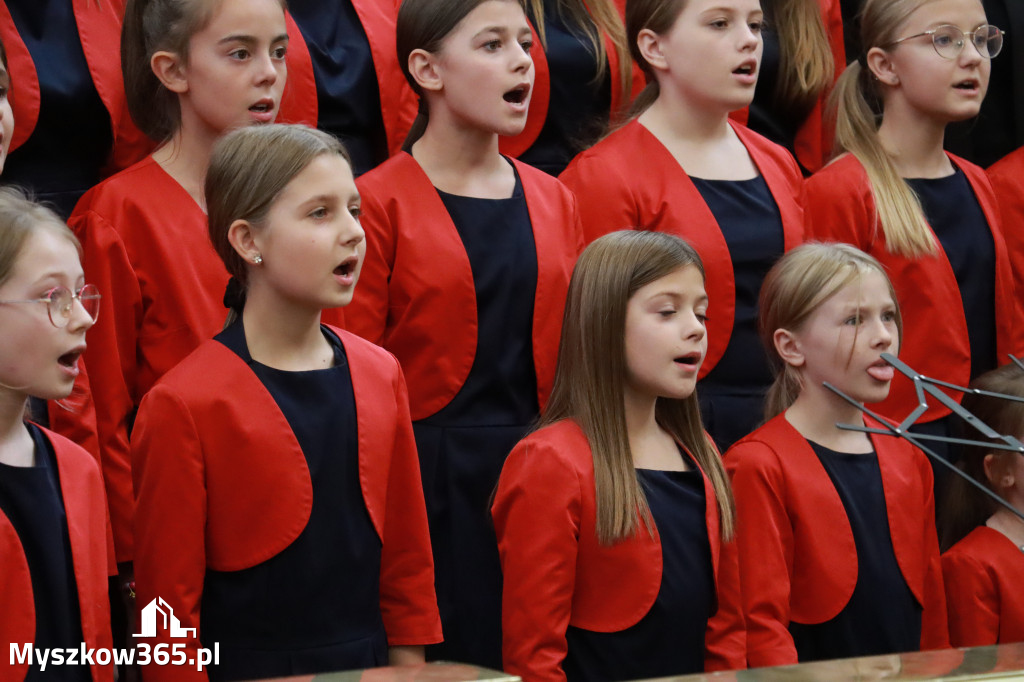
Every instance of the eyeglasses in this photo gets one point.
(949, 41)
(60, 303)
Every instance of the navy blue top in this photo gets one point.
(314, 607)
(958, 221)
(669, 639)
(348, 96)
(59, 161)
(31, 499)
(501, 388)
(752, 226)
(579, 103)
(767, 115)
(882, 616)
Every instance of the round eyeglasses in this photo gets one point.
(60, 303)
(949, 41)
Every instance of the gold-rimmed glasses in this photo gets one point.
(60, 303)
(949, 41)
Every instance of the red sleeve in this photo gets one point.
(765, 541)
(407, 601)
(934, 625)
(536, 515)
(726, 638)
(605, 202)
(972, 600)
(111, 361)
(838, 206)
(367, 314)
(170, 520)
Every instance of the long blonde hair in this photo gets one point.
(592, 18)
(793, 289)
(806, 66)
(856, 103)
(589, 383)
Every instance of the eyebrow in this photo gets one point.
(249, 39)
(677, 296)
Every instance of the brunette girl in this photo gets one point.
(930, 218)
(682, 167)
(320, 561)
(614, 517)
(54, 556)
(836, 528)
(984, 563)
(468, 260)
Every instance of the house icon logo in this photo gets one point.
(158, 608)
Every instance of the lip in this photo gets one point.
(691, 367)
(746, 78)
(72, 369)
(348, 279)
(523, 105)
(881, 371)
(266, 116)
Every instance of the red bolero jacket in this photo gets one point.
(798, 561)
(81, 488)
(221, 483)
(557, 574)
(984, 573)
(397, 100)
(1007, 177)
(840, 208)
(416, 295)
(630, 180)
(541, 97)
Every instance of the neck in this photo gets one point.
(1008, 523)
(914, 143)
(640, 416)
(16, 447)
(454, 155)
(674, 117)
(815, 413)
(282, 335)
(186, 157)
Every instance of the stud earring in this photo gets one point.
(257, 259)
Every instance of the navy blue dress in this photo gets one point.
(732, 394)
(579, 104)
(882, 616)
(348, 97)
(669, 639)
(59, 161)
(315, 607)
(31, 499)
(955, 216)
(463, 446)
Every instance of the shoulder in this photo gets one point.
(846, 171)
(134, 184)
(562, 446)
(360, 350)
(201, 374)
(1009, 168)
(72, 455)
(382, 178)
(763, 448)
(973, 552)
(765, 148)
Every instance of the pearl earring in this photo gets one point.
(257, 259)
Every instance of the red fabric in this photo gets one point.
(84, 505)
(99, 27)
(416, 295)
(815, 138)
(840, 208)
(798, 561)
(541, 97)
(984, 572)
(222, 484)
(557, 574)
(299, 100)
(1007, 177)
(630, 180)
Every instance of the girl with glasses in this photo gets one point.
(54, 541)
(929, 217)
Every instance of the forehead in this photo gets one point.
(499, 14)
(686, 281)
(327, 173)
(867, 287)
(963, 13)
(46, 251)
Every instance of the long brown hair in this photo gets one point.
(965, 508)
(589, 383)
(657, 16)
(856, 103)
(793, 289)
(806, 66)
(423, 25)
(249, 168)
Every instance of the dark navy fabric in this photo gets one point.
(315, 607)
(958, 221)
(732, 394)
(463, 446)
(348, 96)
(60, 160)
(579, 103)
(882, 616)
(669, 639)
(30, 498)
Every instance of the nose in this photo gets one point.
(522, 60)
(80, 319)
(695, 328)
(884, 334)
(354, 234)
(266, 72)
(749, 39)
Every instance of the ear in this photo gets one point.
(169, 68)
(649, 44)
(423, 69)
(243, 239)
(788, 348)
(882, 67)
(997, 472)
